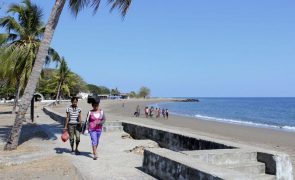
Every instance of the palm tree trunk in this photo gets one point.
(17, 92)
(12, 141)
(58, 92)
(60, 95)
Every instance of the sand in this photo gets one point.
(54, 167)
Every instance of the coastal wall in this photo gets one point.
(165, 168)
(55, 115)
(268, 159)
(169, 140)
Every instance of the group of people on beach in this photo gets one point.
(151, 112)
(93, 124)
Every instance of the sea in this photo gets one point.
(275, 113)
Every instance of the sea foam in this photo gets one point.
(247, 123)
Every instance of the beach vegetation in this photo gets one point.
(49, 83)
(76, 6)
(115, 91)
(19, 44)
(96, 90)
(144, 92)
(63, 76)
(132, 94)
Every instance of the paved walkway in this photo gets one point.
(114, 159)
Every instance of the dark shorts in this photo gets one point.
(74, 131)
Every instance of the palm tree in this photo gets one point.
(63, 74)
(76, 6)
(21, 42)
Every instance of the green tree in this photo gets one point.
(144, 92)
(132, 94)
(77, 84)
(115, 91)
(49, 81)
(104, 90)
(46, 84)
(20, 43)
(95, 90)
(76, 6)
(63, 76)
(7, 89)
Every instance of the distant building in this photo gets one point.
(103, 96)
(111, 96)
(119, 96)
(82, 95)
(124, 96)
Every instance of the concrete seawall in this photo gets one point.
(169, 140)
(55, 115)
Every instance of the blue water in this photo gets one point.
(265, 112)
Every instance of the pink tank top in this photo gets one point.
(94, 121)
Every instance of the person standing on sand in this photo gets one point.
(137, 111)
(74, 124)
(151, 112)
(96, 119)
(146, 112)
(167, 113)
(163, 113)
(159, 113)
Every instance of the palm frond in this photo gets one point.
(11, 24)
(122, 5)
(53, 56)
(77, 5)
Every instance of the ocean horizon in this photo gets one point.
(266, 112)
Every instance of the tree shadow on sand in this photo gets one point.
(28, 132)
(4, 132)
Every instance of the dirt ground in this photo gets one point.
(47, 167)
(54, 167)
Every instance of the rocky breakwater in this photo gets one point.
(187, 100)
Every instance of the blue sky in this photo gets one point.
(196, 48)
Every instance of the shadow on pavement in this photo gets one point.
(28, 132)
(4, 131)
(65, 150)
(6, 112)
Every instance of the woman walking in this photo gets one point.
(74, 124)
(96, 119)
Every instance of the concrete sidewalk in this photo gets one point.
(115, 161)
